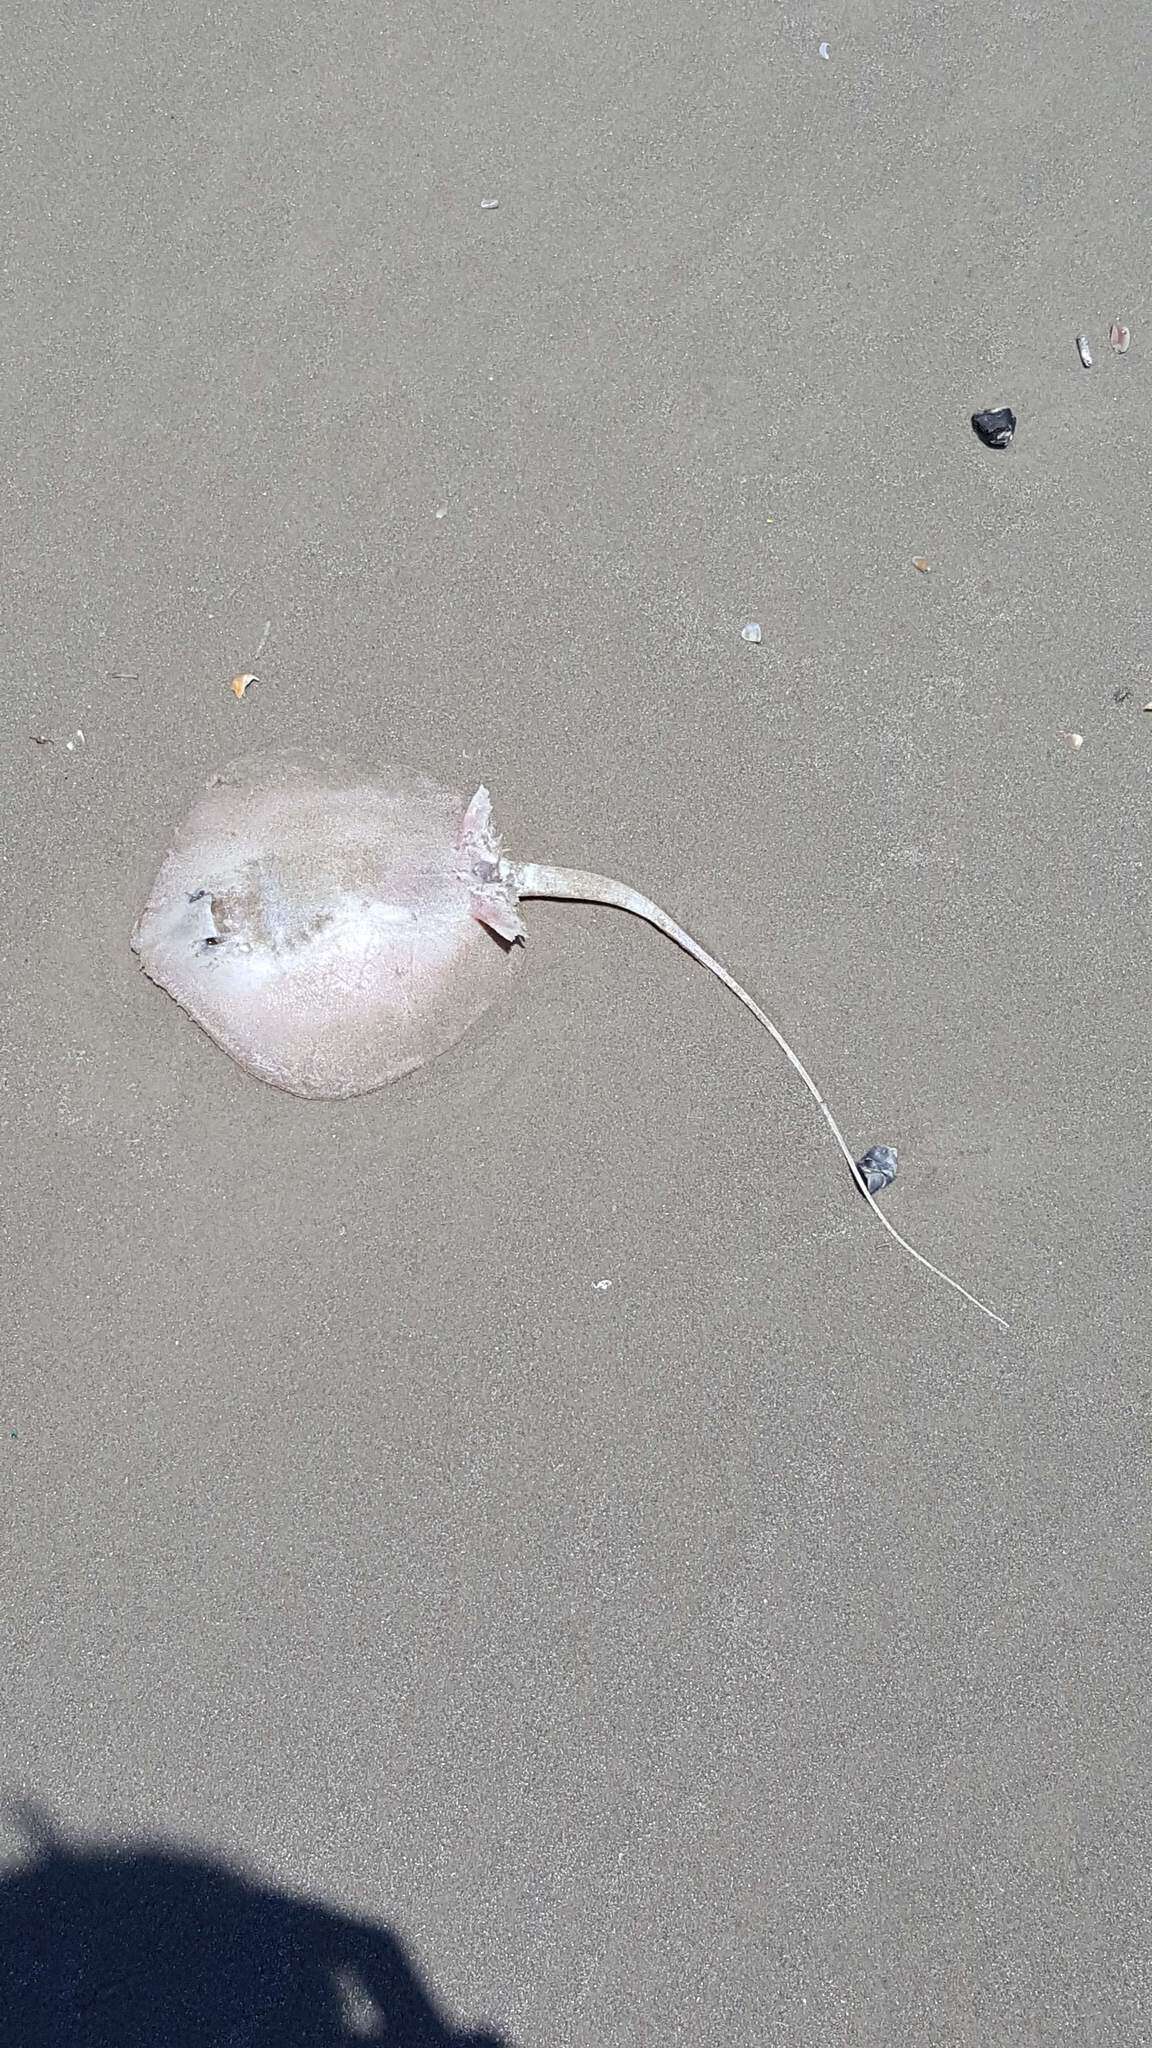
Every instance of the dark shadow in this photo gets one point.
(149, 1947)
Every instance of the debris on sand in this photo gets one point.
(877, 1169)
(995, 428)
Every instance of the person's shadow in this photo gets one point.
(149, 1947)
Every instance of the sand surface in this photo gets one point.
(534, 1515)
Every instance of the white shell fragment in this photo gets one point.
(489, 205)
(1084, 351)
(1120, 337)
(751, 632)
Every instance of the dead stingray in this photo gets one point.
(334, 931)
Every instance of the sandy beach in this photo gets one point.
(523, 1550)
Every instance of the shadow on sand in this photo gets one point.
(149, 1947)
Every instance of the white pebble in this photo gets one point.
(751, 632)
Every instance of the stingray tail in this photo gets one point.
(531, 878)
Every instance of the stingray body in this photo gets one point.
(333, 930)
(330, 930)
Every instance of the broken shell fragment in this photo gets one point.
(751, 632)
(920, 562)
(240, 685)
(1120, 337)
(1083, 351)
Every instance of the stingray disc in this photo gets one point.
(331, 931)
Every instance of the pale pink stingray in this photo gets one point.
(333, 931)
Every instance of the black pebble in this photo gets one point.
(877, 1169)
(995, 429)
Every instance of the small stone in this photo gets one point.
(751, 632)
(995, 428)
(877, 1169)
(489, 205)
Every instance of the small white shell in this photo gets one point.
(1085, 352)
(751, 632)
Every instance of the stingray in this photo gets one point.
(333, 931)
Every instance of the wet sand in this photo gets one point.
(535, 1510)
